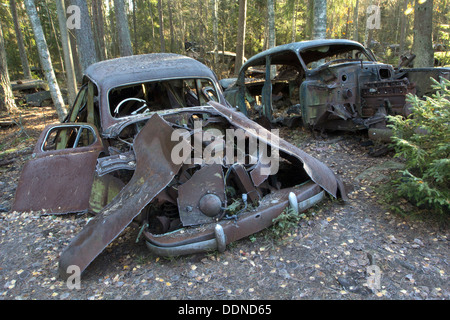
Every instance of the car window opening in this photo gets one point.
(153, 96)
(67, 137)
(285, 84)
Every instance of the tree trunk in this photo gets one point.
(403, 23)
(20, 43)
(134, 28)
(85, 37)
(271, 23)
(7, 102)
(99, 29)
(215, 33)
(320, 19)
(46, 62)
(53, 31)
(368, 32)
(241, 36)
(294, 21)
(122, 29)
(75, 56)
(67, 50)
(150, 9)
(161, 27)
(422, 45)
(355, 22)
(171, 22)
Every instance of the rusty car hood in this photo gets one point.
(319, 172)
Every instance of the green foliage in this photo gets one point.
(423, 140)
(287, 221)
(443, 58)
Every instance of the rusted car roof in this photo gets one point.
(136, 69)
(146, 67)
(297, 47)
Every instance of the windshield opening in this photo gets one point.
(153, 96)
(317, 56)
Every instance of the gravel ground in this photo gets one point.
(327, 256)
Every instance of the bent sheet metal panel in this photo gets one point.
(318, 171)
(207, 180)
(154, 171)
(57, 181)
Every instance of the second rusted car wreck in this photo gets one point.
(152, 142)
(330, 84)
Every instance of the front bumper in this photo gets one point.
(215, 236)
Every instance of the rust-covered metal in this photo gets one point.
(250, 222)
(154, 171)
(201, 197)
(185, 206)
(315, 169)
(329, 84)
(388, 94)
(244, 182)
(113, 73)
(121, 168)
(58, 181)
(265, 207)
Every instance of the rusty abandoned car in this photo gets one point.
(331, 84)
(116, 156)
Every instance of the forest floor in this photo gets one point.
(326, 256)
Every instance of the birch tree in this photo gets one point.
(123, 30)
(320, 19)
(215, 32)
(271, 23)
(45, 59)
(241, 35)
(71, 81)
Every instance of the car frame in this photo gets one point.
(303, 83)
(118, 163)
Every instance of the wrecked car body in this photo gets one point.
(326, 85)
(151, 142)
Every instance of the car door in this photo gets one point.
(59, 176)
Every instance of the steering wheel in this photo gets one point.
(116, 110)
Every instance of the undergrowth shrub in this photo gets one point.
(423, 141)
